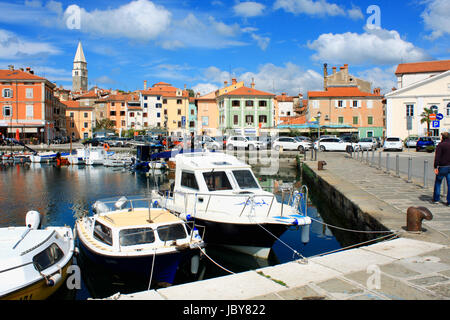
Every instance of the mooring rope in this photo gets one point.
(151, 273)
(203, 251)
(350, 230)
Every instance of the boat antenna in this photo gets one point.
(150, 203)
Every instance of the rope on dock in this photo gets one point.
(223, 268)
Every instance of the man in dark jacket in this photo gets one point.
(442, 167)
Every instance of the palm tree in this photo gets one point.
(425, 117)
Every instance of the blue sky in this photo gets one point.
(281, 44)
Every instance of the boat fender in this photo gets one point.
(33, 220)
(54, 280)
(189, 218)
(155, 204)
(195, 262)
(295, 223)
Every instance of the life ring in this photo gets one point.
(106, 146)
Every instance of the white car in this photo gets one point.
(411, 142)
(207, 142)
(367, 144)
(334, 144)
(393, 143)
(241, 142)
(289, 143)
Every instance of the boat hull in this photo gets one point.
(252, 238)
(38, 290)
(164, 268)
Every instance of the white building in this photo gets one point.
(420, 88)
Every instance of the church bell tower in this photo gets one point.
(79, 72)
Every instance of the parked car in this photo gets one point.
(436, 140)
(393, 143)
(243, 142)
(367, 144)
(290, 143)
(334, 144)
(424, 142)
(411, 141)
(206, 142)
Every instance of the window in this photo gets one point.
(7, 93)
(164, 101)
(192, 112)
(179, 101)
(245, 179)
(86, 124)
(132, 237)
(145, 105)
(145, 97)
(158, 105)
(179, 124)
(112, 113)
(122, 113)
(235, 103)
(29, 111)
(355, 120)
(249, 119)
(47, 258)
(158, 114)
(123, 123)
(263, 119)
(113, 104)
(132, 114)
(205, 121)
(72, 114)
(191, 124)
(249, 103)
(410, 110)
(435, 109)
(448, 109)
(179, 112)
(235, 119)
(171, 232)
(369, 120)
(85, 114)
(188, 180)
(263, 103)
(123, 104)
(7, 111)
(340, 104)
(29, 93)
(102, 233)
(355, 104)
(217, 181)
(340, 120)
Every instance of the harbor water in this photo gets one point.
(62, 193)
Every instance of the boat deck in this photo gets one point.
(138, 217)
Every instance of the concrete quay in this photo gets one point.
(412, 266)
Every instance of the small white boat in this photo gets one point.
(45, 157)
(34, 261)
(221, 193)
(117, 161)
(89, 156)
(129, 235)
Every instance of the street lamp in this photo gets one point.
(318, 123)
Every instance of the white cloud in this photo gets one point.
(249, 9)
(13, 47)
(436, 18)
(310, 7)
(139, 19)
(355, 13)
(205, 88)
(104, 80)
(378, 46)
(289, 78)
(263, 42)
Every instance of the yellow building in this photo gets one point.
(79, 120)
(174, 107)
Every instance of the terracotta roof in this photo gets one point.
(162, 84)
(293, 120)
(165, 91)
(18, 75)
(245, 91)
(284, 98)
(208, 96)
(426, 66)
(74, 104)
(341, 92)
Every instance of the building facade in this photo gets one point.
(79, 120)
(207, 114)
(29, 108)
(348, 106)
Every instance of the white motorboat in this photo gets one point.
(130, 235)
(45, 157)
(33, 261)
(222, 194)
(118, 161)
(89, 156)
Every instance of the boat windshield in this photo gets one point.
(136, 236)
(217, 180)
(48, 257)
(245, 179)
(171, 232)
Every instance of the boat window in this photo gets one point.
(245, 179)
(102, 233)
(48, 257)
(188, 180)
(171, 232)
(217, 180)
(131, 237)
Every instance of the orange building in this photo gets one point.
(79, 120)
(28, 107)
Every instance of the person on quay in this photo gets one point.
(442, 167)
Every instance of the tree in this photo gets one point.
(425, 117)
(104, 124)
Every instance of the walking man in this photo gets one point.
(442, 167)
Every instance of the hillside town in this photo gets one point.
(35, 110)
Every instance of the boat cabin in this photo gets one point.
(209, 172)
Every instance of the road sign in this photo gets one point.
(432, 116)
(439, 116)
(436, 124)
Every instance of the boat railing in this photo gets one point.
(295, 200)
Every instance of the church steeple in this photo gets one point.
(79, 72)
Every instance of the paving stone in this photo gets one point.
(301, 293)
(442, 290)
(397, 270)
(340, 289)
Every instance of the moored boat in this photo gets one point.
(33, 261)
(130, 236)
(222, 194)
